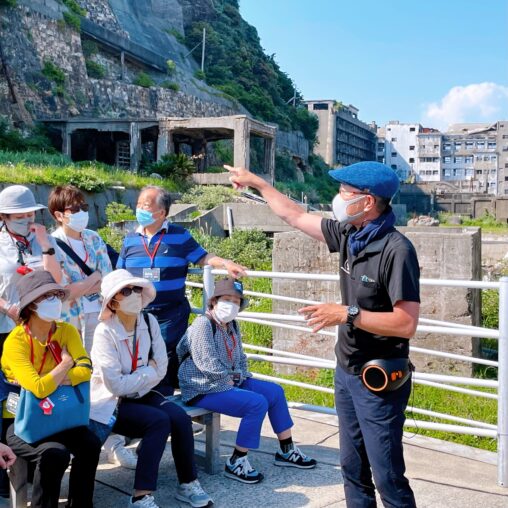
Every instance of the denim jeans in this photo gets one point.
(370, 433)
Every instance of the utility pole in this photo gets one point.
(203, 51)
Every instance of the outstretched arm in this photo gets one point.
(281, 205)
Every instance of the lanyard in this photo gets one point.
(32, 356)
(228, 349)
(84, 248)
(156, 248)
(135, 349)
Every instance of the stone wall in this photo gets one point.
(442, 253)
(294, 143)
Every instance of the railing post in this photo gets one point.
(208, 285)
(502, 404)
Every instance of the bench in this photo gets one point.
(209, 459)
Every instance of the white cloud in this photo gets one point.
(478, 102)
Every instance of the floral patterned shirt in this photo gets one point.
(98, 259)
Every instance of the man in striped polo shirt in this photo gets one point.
(161, 252)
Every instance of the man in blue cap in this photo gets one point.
(378, 315)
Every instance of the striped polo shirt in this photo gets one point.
(176, 250)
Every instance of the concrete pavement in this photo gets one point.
(443, 475)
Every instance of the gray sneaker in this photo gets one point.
(193, 494)
(145, 502)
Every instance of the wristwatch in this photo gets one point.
(352, 314)
(49, 252)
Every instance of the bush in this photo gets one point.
(170, 85)
(170, 67)
(95, 69)
(117, 212)
(176, 34)
(14, 141)
(8, 3)
(89, 47)
(112, 236)
(144, 80)
(176, 166)
(224, 151)
(206, 197)
(74, 7)
(53, 72)
(199, 74)
(73, 20)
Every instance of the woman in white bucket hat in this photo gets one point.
(129, 358)
(24, 247)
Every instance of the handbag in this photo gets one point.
(67, 407)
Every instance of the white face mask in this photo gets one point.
(131, 304)
(78, 221)
(19, 227)
(340, 205)
(49, 309)
(226, 311)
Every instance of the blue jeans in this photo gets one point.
(370, 433)
(173, 323)
(250, 402)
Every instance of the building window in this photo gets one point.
(468, 159)
(394, 140)
(411, 147)
(381, 146)
(380, 158)
(457, 145)
(457, 159)
(469, 145)
(320, 106)
(411, 160)
(469, 172)
(411, 129)
(447, 159)
(394, 154)
(506, 178)
(436, 147)
(506, 164)
(447, 146)
(479, 172)
(394, 166)
(480, 145)
(491, 145)
(448, 173)
(435, 172)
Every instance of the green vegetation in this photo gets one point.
(206, 197)
(74, 7)
(14, 141)
(8, 3)
(487, 222)
(95, 69)
(52, 72)
(117, 212)
(224, 151)
(179, 167)
(89, 47)
(176, 34)
(199, 74)
(236, 64)
(170, 67)
(73, 20)
(144, 80)
(171, 85)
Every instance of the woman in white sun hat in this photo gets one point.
(24, 246)
(129, 358)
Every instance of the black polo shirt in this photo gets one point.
(382, 274)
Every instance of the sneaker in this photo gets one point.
(294, 458)
(145, 502)
(242, 471)
(193, 494)
(123, 457)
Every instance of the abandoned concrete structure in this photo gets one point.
(122, 142)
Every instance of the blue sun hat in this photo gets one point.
(370, 177)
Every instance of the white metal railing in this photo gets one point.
(447, 382)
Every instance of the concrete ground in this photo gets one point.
(442, 475)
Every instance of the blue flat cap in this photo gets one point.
(370, 177)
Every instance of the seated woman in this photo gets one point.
(25, 360)
(129, 358)
(213, 375)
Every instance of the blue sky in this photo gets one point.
(431, 61)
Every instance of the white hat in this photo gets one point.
(18, 199)
(114, 281)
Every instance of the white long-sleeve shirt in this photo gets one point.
(112, 364)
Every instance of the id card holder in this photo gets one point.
(11, 403)
(236, 377)
(152, 274)
(93, 297)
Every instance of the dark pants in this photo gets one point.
(173, 323)
(370, 432)
(153, 418)
(51, 457)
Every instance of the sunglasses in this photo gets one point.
(128, 291)
(76, 208)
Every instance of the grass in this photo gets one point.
(55, 169)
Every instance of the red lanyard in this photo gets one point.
(156, 248)
(135, 350)
(228, 349)
(32, 356)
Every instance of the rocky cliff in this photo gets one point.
(122, 59)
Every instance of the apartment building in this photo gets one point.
(343, 139)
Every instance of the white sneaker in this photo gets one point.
(193, 494)
(145, 502)
(123, 457)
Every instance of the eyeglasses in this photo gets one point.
(76, 208)
(51, 297)
(128, 291)
(342, 190)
